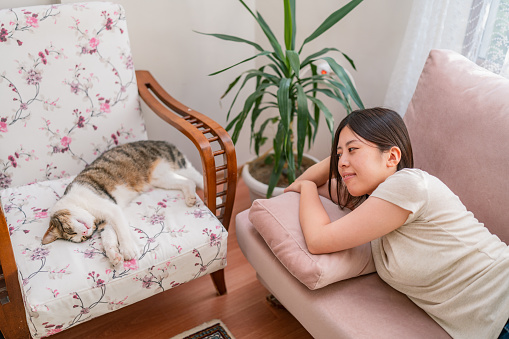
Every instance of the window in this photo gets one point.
(487, 36)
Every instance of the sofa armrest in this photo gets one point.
(215, 146)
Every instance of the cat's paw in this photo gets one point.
(190, 200)
(128, 251)
(114, 255)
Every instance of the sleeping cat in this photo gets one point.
(95, 198)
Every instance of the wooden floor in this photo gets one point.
(243, 309)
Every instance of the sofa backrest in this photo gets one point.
(458, 120)
(67, 89)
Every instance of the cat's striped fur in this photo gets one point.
(95, 198)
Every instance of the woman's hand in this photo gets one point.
(294, 187)
(318, 173)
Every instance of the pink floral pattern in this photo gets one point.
(63, 103)
(68, 93)
(65, 283)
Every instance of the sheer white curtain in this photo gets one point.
(487, 36)
(432, 24)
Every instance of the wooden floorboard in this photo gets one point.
(243, 309)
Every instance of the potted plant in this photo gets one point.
(280, 84)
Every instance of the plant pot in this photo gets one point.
(257, 189)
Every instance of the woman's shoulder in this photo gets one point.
(413, 172)
(407, 188)
(410, 175)
(416, 181)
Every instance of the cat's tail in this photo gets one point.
(192, 173)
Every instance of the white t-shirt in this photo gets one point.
(442, 258)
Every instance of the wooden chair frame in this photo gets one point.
(219, 163)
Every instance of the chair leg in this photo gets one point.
(13, 324)
(16, 332)
(219, 282)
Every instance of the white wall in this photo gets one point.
(163, 41)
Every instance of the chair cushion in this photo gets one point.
(458, 122)
(277, 221)
(67, 283)
(67, 87)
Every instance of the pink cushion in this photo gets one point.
(458, 122)
(277, 221)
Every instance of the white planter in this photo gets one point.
(257, 189)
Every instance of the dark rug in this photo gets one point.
(214, 329)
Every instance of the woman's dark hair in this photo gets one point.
(380, 126)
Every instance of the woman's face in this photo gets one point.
(361, 164)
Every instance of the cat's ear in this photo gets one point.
(52, 233)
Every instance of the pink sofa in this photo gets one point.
(458, 121)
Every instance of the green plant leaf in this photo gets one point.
(275, 69)
(254, 116)
(343, 76)
(233, 38)
(243, 61)
(284, 103)
(261, 109)
(294, 61)
(259, 138)
(278, 141)
(332, 20)
(231, 85)
(279, 160)
(302, 121)
(270, 77)
(313, 56)
(251, 74)
(312, 126)
(272, 38)
(314, 80)
(268, 32)
(290, 160)
(314, 71)
(261, 85)
(250, 101)
(231, 124)
(334, 95)
(327, 114)
(349, 60)
(342, 93)
(248, 77)
(274, 176)
(281, 65)
(290, 24)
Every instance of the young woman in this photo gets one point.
(425, 243)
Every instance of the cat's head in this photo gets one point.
(74, 224)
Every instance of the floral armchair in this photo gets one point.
(69, 91)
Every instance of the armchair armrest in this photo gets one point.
(12, 311)
(215, 146)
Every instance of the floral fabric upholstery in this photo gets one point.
(65, 283)
(67, 87)
(68, 92)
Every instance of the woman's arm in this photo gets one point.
(318, 173)
(372, 219)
